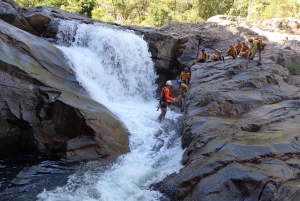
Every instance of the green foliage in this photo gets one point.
(255, 10)
(294, 69)
(160, 12)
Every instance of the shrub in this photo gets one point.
(294, 69)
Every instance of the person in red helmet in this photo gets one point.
(164, 100)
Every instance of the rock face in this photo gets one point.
(241, 126)
(240, 131)
(241, 135)
(43, 106)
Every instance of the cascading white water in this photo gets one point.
(116, 69)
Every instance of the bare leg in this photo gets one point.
(182, 103)
(179, 100)
(162, 114)
(259, 56)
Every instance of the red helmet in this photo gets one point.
(230, 45)
(244, 43)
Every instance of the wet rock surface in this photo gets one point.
(241, 134)
(43, 107)
(241, 126)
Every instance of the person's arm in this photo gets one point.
(195, 61)
(167, 96)
(240, 54)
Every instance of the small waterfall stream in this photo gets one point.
(115, 68)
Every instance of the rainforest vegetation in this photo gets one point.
(160, 12)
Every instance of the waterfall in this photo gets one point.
(115, 68)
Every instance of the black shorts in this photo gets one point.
(261, 47)
(202, 60)
(163, 104)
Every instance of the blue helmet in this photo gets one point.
(179, 81)
(186, 69)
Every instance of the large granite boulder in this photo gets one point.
(43, 106)
(240, 134)
(240, 130)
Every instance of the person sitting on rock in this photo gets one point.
(217, 56)
(238, 46)
(181, 98)
(245, 53)
(203, 57)
(185, 75)
(256, 44)
(231, 52)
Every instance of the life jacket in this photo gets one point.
(162, 94)
(204, 56)
(184, 75)
(245, 48)
(261, 43)
(239, 46)
(231, 51)
(183, 87)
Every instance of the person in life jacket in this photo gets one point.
(217, 56)
(165, 99)
(256, 44)
(231, 52)
(203, 57)
(239, 46)
(181, 98)
(185, 75)
(245, 53)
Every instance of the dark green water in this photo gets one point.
(24, 175)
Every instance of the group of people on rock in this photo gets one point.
(239, 50)
(166, 99)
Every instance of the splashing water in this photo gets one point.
(116, 69)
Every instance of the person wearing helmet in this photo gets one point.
(165, 99)
(217, 56)
(183, 88)
(185, 75)
(231, 52)
(256, 44)
(245, 53)
(239, 46)
(203, 57)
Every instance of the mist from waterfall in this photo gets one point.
(115, 68)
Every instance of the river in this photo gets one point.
(115, 68)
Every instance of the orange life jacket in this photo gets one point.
(204, 56)
(239, 46)
(184, 75)
(165, 95)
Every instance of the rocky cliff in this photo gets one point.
(43, 107)
(240, 128)
(241, 125)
